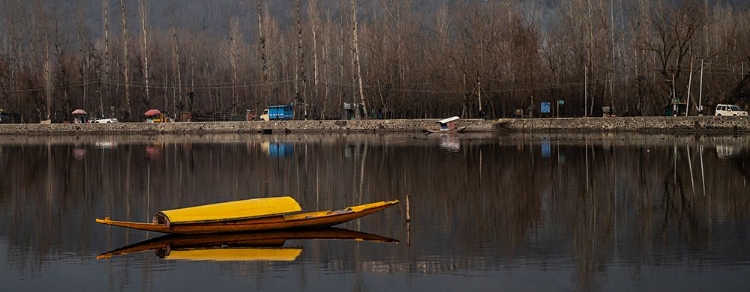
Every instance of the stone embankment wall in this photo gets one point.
(237, 127)
(628, 124)
(593, 124)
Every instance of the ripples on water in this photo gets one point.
(529, 212)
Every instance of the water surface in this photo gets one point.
(609, 212)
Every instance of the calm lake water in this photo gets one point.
(489, 212)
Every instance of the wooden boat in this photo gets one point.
(255, 246)
(447, 126)
(248, 216)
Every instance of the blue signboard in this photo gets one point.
(545, 108)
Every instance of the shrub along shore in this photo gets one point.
(706, 124)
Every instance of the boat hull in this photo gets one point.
(163, 245)
(280, 222)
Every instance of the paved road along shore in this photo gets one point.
(707, 124)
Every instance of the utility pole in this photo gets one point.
(675, 106)
(612, 70)
(479, 95)
(590, 25)
(700, 92)
(690, 82)
(585, 90)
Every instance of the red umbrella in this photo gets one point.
(152, 112)
(79, 112)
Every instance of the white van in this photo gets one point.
(729, 110)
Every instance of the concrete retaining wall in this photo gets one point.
(618, 124)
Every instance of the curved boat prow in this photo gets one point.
(134, 225)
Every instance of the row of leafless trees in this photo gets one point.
(393, 59)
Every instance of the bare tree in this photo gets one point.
(327, 57)
(262, 49)
(104, 83)
(234, 48)
(42, 19)
(314, 19)
(300, 52)
(355, 52)
(64, 65)
(125, 61)
(342, 61)
(176, 71)
(13, 38)
(409, 59)
(674, 29)
(143, 8)
(84, 50)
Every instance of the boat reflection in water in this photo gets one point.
(256, 246)
(79, 152)
(449, 142)
(106, 145)
(727, 151)
(154, 150)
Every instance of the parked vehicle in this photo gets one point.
(277, 112)
(103, 121)
(8, 117)
(729, 110)
(159, 118)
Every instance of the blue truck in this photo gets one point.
(277, 112)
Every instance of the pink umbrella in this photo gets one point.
(152, 112)
(79, 112)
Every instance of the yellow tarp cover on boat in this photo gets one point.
(236, 254)
(235, 210)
